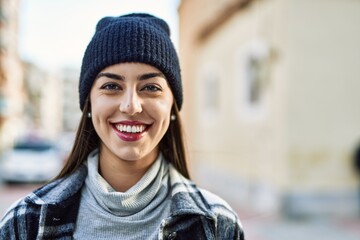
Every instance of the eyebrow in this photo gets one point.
(151, 75)
(144, 76)
(110, 75)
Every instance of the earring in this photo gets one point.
(173, 117)
(89, 114)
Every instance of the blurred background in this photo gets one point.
(271, 114)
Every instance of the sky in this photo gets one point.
(53, 34)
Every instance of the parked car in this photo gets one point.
(30, 161)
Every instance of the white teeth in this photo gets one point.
(130, 129)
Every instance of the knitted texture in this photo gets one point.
(136, 37)
(132, 215)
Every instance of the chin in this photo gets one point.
(129, 157)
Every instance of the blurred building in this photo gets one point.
(71, 108)
(43, 107)
(11, 74)
(33, 101)
(271, 102)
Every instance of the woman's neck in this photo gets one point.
(123, 174)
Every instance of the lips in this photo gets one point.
(130, 131)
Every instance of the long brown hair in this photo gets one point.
(171, 145)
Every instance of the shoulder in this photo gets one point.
(208, 200)
(211, 201)
(190, 198)
(31, 203)
(60, 190)
(23, 218)
(227, 221)
(219, 206)
(15, 220)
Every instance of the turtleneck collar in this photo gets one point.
(134, 199)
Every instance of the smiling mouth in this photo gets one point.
(124, 128)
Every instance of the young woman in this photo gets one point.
(126, 177)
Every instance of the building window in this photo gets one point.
(256, 68)
(253, 74)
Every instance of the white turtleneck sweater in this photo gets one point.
(134, 214)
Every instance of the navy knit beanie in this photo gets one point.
(136, 37)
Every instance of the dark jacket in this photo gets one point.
(50, 212)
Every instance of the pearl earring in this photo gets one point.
(173, 117)
(89, 115)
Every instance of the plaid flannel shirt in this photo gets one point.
(50, 212)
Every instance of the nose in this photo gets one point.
(130, 103)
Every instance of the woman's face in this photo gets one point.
(131, 106)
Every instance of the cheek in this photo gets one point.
(163, 109)
(165, 117)
(101, 109)
(166, 104)
(101, 104)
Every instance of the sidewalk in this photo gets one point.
(262, 226)
(273, 228)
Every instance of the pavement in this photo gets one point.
(260, 227)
